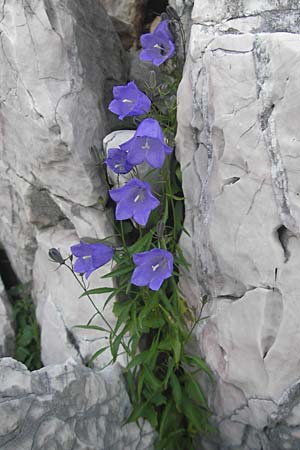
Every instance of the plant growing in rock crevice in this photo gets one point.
(154, 322)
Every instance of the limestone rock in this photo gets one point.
(59, 62)
(67, 407)
(7, 335)
(127, 17)
(59, 308)
(238, 145)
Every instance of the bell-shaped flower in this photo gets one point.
(159, 45)
(117, 160)
(152, 268)
(147, 144)
(90, 257)
(134, 200)
(129, 101)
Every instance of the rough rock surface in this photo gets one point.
(7, 335)
(239, 149)
(127, 18)
(59, 62)
(66, 407)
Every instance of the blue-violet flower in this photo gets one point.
(134, 200)
(90, 257)
(159, 45)
(152, 268)
(147, 144)
(129, 101)
(117, 160)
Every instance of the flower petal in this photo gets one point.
(138, 277)
(155, 156)
(156, 283)
(150, 127)
(83, 265)
(101, 255)
(123, 211)
(81, 249)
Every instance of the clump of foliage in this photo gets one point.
(27, 349)
(154, 322)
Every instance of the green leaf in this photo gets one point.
(137, 412)
(175, 197)
(115, 344)
(118, 272)
(21, 353)
(176, 345)
(26, 337)
(131, 386)
(92, 327)
(194, 392)
(176, 390)
(196, 416)
(140, 383)
(151, 415)
(139, 359)
(165, 417)
(97, 353)
(193, 360)
(171, 365)
(142, 244)
(155, 320)
(113, 295)
(101, 290)
(152, 381)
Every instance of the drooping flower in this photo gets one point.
(134, 200)
(159, 45)
(117, 160)
(152, 268)
(147, 144)
(90, 257)
(129, 101)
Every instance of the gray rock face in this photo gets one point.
(59, 62)
(7, 335)
(66, 407)
(238, 145)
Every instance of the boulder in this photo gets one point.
(66, 407)
(59, 63)
(238, 145)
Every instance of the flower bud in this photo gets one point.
(55, 255)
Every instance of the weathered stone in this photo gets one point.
(67, 407)
(59, 62)
(238, 139)
(59, 308)
(127, 17)
(7, 335)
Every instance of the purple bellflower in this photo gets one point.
(159, 45)
(129, 101)
(134, 200)
(152, 268)
(117, 160)
(147, 144)
(90, 257)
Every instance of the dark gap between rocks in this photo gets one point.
(27, 331)
(283, 235)
(153, 9)
(7, 273)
